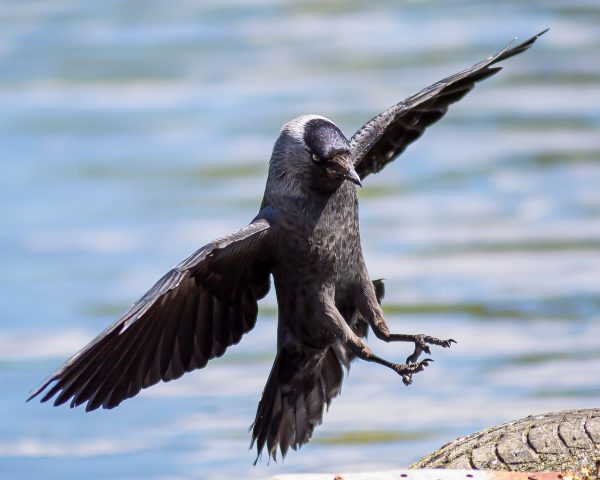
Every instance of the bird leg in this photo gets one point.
(421, 341)
(356, 344)
(406, 371)
(373, 314)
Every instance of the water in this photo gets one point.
(132, 134)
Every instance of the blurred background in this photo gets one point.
(132, 133)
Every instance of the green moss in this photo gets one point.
(231, 171)
(543, 357)
(103, 309)
(470, 309)
(372, 436)
(576, 393)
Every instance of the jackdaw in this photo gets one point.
(306, 236)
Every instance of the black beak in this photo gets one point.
(352, 176)
(344, 167)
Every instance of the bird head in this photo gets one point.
(312, 153)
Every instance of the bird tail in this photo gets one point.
(300, 385)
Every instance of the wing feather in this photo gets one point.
(387, 135)
(191, 315)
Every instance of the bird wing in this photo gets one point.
(191, 315)
(386, 136)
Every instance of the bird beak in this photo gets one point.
(353, 177)
(344, 167)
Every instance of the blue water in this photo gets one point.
(132, 133)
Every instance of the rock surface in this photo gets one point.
(567, 441)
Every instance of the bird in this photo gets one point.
(306, 238)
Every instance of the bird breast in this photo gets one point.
(321, 240)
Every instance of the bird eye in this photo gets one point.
(315, 157)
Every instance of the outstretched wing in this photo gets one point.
(386, 136)
(191, 315)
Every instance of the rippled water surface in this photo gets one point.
(134, 132)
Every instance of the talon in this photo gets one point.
(437, 341)
(419, 367)
(421, 345)
(413, 367)
(414, 357)
(407, 371)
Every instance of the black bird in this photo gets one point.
(306, 236)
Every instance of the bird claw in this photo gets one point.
(407, 371)
(421, 345)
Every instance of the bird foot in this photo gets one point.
(422, 343)
(407, 371)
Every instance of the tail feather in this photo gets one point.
(300, 386)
